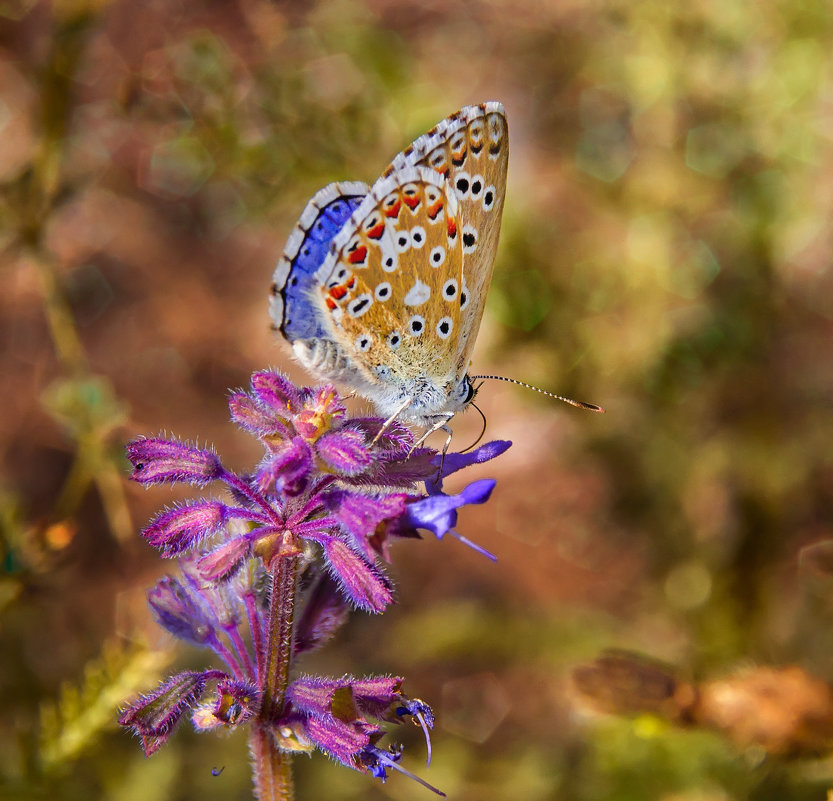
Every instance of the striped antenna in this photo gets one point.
(591, 407)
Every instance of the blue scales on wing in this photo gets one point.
(324, 216)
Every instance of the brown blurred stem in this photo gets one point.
(272, 767)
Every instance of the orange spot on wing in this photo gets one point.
(331, 304)
(434, 210)
(393, 211)
(359, 254)
(338, 292)
(377, 231)
(352, 282)
(452, 227)
(411, 201)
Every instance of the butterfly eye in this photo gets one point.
(437, 256)
(489, 198)
(470, 391)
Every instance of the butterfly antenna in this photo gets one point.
(482, 430)
(591, 407)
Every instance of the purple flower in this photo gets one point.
(158, 461)
(316, 518)
(184, 527)
(155, 715)
(176, 610)
(332, 715)
(234, 702)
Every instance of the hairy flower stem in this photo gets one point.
(272, 767)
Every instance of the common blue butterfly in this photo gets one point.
(382, 289)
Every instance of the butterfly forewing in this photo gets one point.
(470, 149)
(393, 280)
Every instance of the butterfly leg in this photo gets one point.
(441, 424)
(387, 424)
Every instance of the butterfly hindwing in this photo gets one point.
(306, 249)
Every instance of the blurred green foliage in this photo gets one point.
(666, 252)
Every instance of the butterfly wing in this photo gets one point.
(307, 247)
(391, 287)
(470, 149)
(384, 289)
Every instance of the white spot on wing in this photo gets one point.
(444, 327)
(402, 241)
(360, 305)
(418, 294)
(469, 239)
(416, 325)
(437, 256)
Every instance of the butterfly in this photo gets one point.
(382, 288)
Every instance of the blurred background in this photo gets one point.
(665, 253)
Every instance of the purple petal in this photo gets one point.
(344, 451)
(223, 562)
(237, 701)
(155, 715)
(158, 461)
(313, 695)
(176, 611)
(374, 694)
(360, 515)
(406, 471)
(343, 741)
(183, 527)
(287, 468)
(247, 414)
(360, 581)
(276, 393)
(452, 462)
(438, 513)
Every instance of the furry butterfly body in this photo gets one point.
(383, 288)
